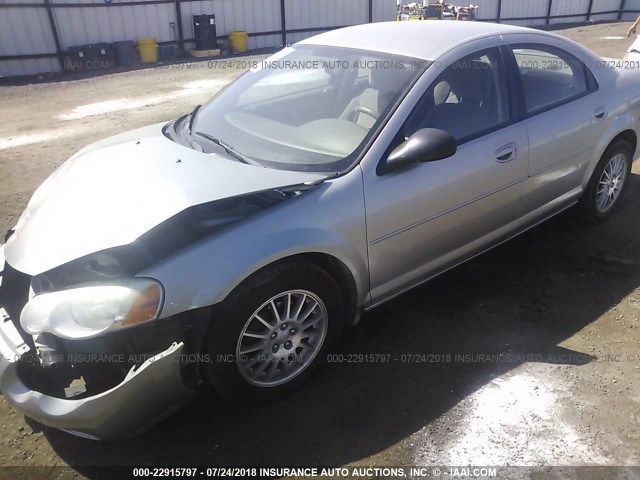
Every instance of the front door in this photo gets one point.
(429, 216)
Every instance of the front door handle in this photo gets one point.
(507, 153)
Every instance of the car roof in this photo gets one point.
(426, 40)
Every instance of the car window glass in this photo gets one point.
(468, 98)
(284, 82)
(307, 108)
(549, 77)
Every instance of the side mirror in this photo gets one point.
(426, 145)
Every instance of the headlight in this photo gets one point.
(92, 310)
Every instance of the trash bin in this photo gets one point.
(126, 54)
(238, 41)
(167, 53)
(96, 56)
(148, 48)
(204, 29)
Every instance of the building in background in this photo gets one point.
(34, 33)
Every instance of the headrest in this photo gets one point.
(470, 79)
(388, 79)
(441, 92)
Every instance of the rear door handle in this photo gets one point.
(600, 113)
(507, 153)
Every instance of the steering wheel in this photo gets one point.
(365, 110)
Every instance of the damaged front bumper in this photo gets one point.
(148, 394)
(110, 406)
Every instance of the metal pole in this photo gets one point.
(54, 31)
(370, 11)
(283, 21)
(589, 10)
(549, 11)
(179, 22)
(622, 5)
(499, 9)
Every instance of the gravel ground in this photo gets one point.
(534, 346)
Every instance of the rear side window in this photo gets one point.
(550, 76)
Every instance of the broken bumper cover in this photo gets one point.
(148, 394)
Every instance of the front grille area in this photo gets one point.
(102, 362)
(14, 294)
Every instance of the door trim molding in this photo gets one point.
(452, 209)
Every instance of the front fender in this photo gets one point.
(327, 220)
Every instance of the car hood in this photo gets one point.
(112, 192)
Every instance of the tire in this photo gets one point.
(592, 208)
(242, 375)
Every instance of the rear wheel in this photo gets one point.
(607, 185)
(277, 327)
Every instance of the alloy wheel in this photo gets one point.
(611, 183)
(281, 338)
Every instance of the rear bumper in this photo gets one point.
(148, 394)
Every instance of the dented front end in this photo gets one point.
(92, 340)
(111, 386)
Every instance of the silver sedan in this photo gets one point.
(230, 248)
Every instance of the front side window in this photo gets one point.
(549, 76)
(469, 97)
(310, 108)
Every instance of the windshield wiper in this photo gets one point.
(229, 149)
(192, 117)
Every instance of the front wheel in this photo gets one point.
(272, 332)
(607, 185)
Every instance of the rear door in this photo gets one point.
(564, 117)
